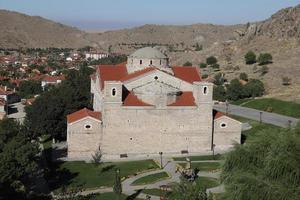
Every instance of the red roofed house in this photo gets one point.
(51, 80)
(144, 107)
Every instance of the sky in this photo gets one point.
(117, 14)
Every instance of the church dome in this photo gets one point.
(148, 53)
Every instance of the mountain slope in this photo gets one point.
(19, 30)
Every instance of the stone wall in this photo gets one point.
(83, 142)
(227, 132)
(133, 64)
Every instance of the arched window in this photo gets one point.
(150, 62)
(205, 90)
(141, 62)
(159, 62)
(113, 92)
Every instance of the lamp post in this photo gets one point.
(290, 124)
(260, 116)
(161, 162)
(227, 105)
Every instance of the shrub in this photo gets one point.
(235, 90)
(264, 58)
(188, 64)
(211, 60)
(219, 93)
(244, 76)
(250, 57)
(219, 79)
(199, 47)
(215, 66)
(254, 88)
(264, 70)
(202, 65)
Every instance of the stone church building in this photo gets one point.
(146, 106)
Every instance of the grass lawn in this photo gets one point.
(155, 192)
(204, 166)
(197, 158)
(277, 106)
(151, 178)
(75, 174)
(206, 182)
(110, 196)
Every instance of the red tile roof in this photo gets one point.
(185, 99)
(53, 78)
(132, 100)
(188, 74)
(217, 114)
(137, 73)
(111, 73)
(80, 114)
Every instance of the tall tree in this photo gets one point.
(266, 168)
(18, 158)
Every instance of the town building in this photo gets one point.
(95, 55)
(146, 106)
(51, 80)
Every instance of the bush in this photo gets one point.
(215, 66)
(211, 60)
(202, 65)
(235, 90)
(219, 93)
(264, 70)
(219, 79)
(199, 47)
(254, 88)
(250, 57)
(188, 64)
(264, 59)
(244, 76)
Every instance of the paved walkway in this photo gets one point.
(265, 117)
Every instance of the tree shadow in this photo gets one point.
(134, 195)
(59, 177)
(12, 110)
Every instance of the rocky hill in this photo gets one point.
(20, 30)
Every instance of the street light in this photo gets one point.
(161, 163)
(260, 116)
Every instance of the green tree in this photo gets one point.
(118, 185)
(219, 79)
(48, 113)
(244, 76)
(211, 60)
(235, 90)
(187, 63)
(186, 190)
(264, 58)
(202, 65)
(254, 88)
(28, 89)
(18, 158)
(219, 93)
(266, 168)
(250, 57)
